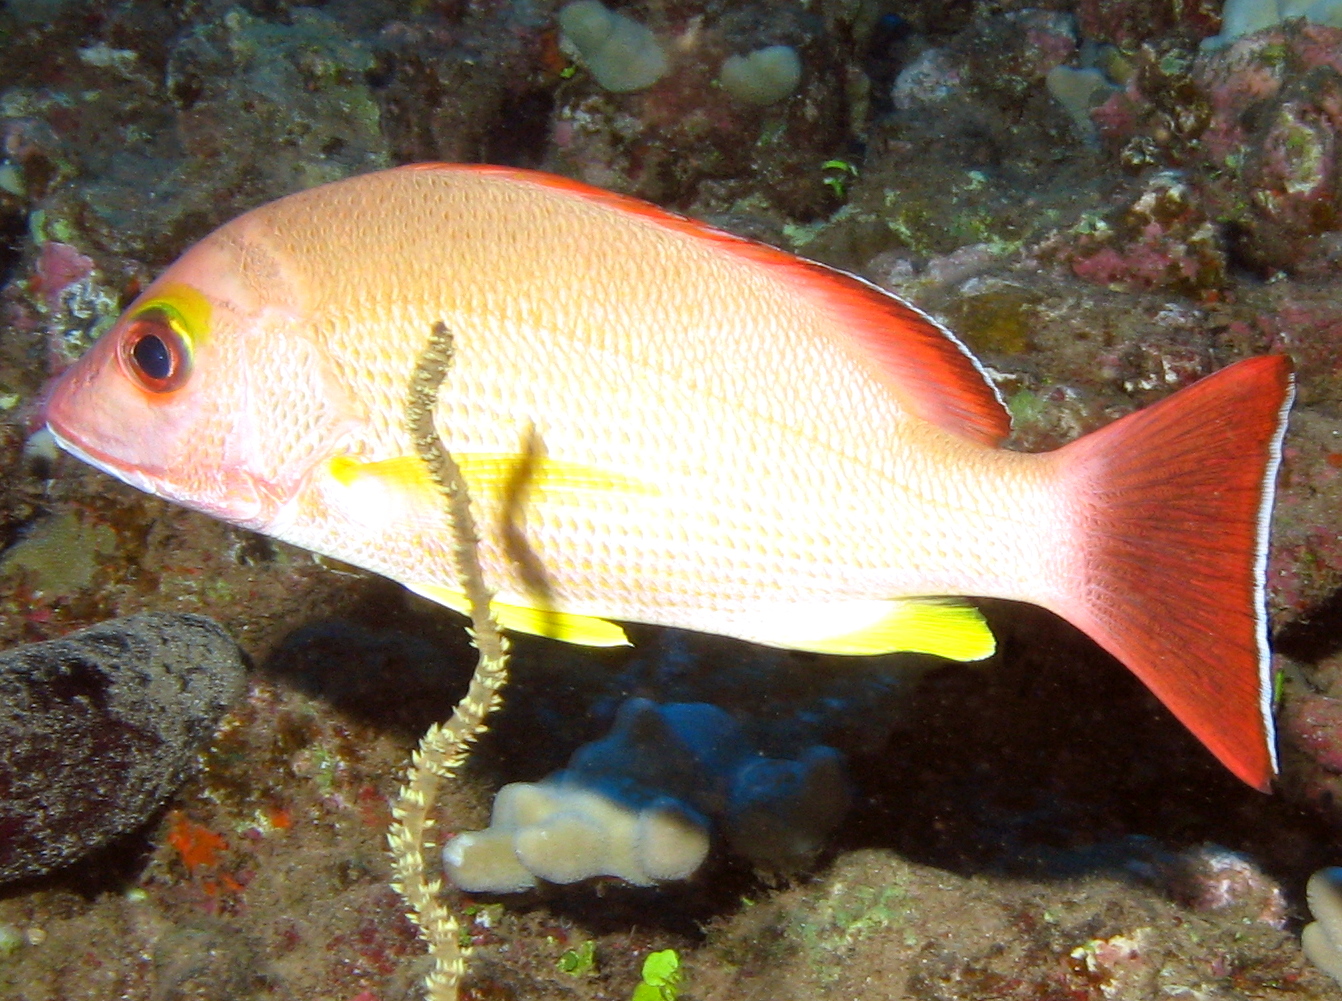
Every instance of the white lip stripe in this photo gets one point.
(136, 479)
(1260, 572)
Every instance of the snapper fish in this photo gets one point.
(661, 422)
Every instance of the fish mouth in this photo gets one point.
(245, 507)
(135, 477)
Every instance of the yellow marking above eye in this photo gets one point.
(186, 310)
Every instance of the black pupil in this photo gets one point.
(152, 356)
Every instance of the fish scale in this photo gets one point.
(730, 439)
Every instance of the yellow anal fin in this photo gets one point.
(583, 630)
(939, 626)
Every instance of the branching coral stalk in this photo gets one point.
(444, 747)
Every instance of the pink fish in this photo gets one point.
(712, 434)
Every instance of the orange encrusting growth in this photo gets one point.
(1174, 540)
(198, 846)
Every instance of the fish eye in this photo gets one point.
(155, 353)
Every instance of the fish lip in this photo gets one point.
(135, 477)
(257, 515)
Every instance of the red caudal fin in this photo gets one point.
(1175, 502)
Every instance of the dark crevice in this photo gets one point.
(524, 130)
(1315, 636)
(13, 232)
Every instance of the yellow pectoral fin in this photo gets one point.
(487, 475)
(404, 471)
(374, 493)
(942, 627)
(493, 473)
(583, 630)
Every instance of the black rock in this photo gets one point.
(98, 728)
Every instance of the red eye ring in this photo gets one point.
(154, 354)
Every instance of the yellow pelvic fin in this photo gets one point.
(583, 630)
(939, 626)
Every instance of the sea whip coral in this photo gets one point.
(444, 748)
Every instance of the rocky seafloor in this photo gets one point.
(1103, 203)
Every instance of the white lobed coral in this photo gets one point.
(637, 804)
(1322, 939)
(565, 833)
(1244, 17)
(765, 76)
(621, 54)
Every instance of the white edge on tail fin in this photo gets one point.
(1260, 569)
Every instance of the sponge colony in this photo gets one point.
(621, 54)
(637, 804)
(765, 76)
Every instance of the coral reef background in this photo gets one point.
(1103, 207)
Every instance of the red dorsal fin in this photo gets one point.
(930, 372)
